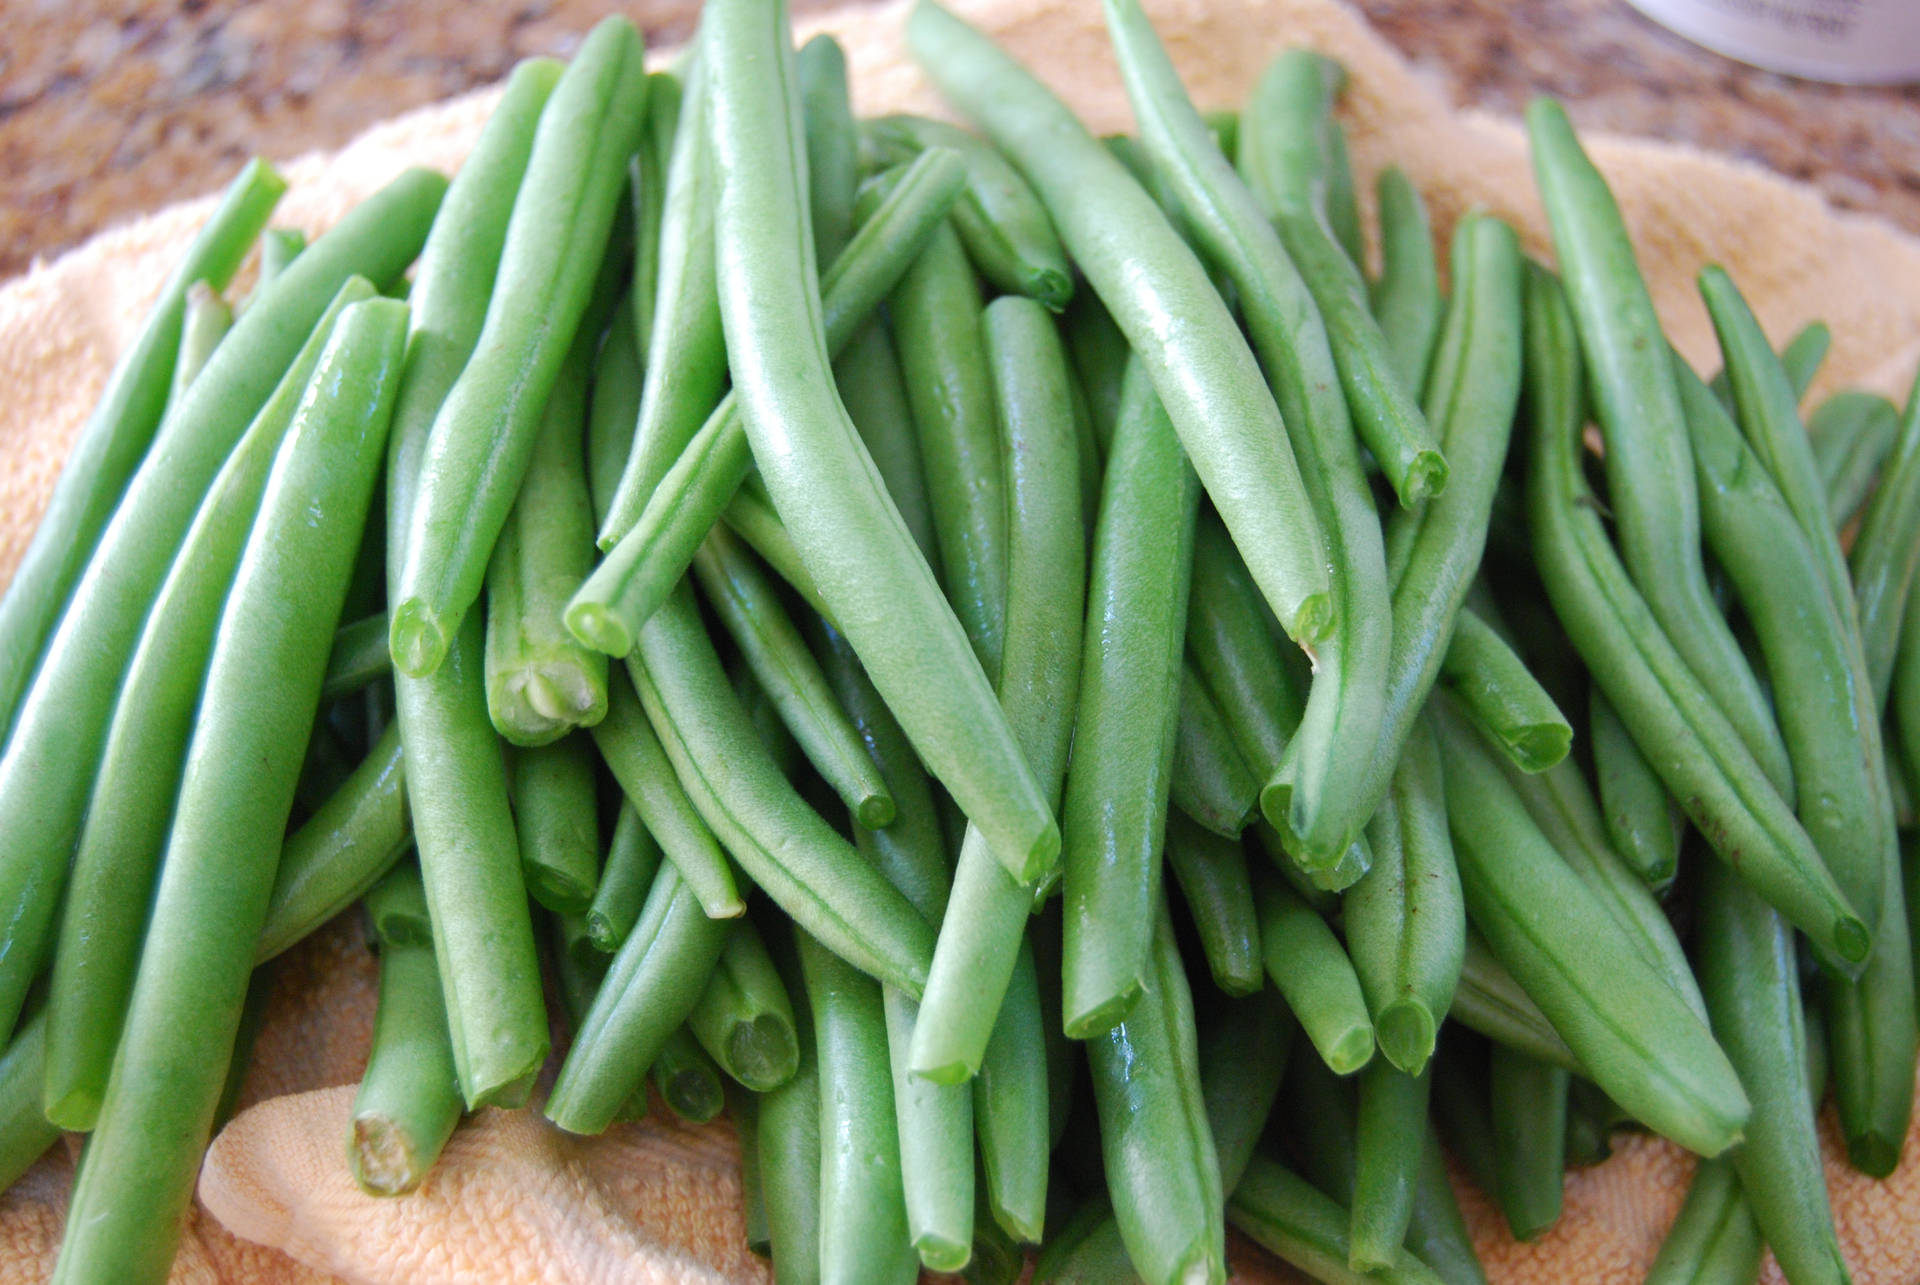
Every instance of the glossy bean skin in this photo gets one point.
(1650, 483)
(1311, 969)
(787, 1131)
(1211, 782)
(359, 657)
(1203, 370)
(1640, 818)
(1489, 1001)
(1886, 553)
(1212, 874)
(1702, 758)
(157, 1113)
(1391, 1139)
(1498, 693)
(483, 435)
(110, 445)
(1406, 296)
(557, 819)
(1528, 1107)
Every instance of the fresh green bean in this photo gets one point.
(1308, 965)
(485, 432)
(1280, 1212)
(557, 819)
(1342, 197)
(1213, 879)
(863, 1224)
(634, 755)
(359, 657)
(1244, 1045)
(645, 207)
(1714, 1240)
(1887, 551)
(1751, 980)
(1211, 782)
(935, 1125)
(117, 857)
(1803, 356)
(278, 248)
(541, 681)
(1502, 698)
(614, 404)
(157, 1113)
(1145, 274)
(743, 1109)
(744, 599)
(687, 1079)
(1529, 1117)
(25, 1131)
(633, 860)
(652, 985)
(1011, 1104)
(1000, 219)
(1100, 354)
(1612, 1006)
(787, 1133)
(1406, 296)
(1641, 820)
(744, 1018)
(207, 320)
(1488, 1000)
(867, 372)
(1391, 1138)
(1405, 920)
(1703, 760)
(1853, 434)
(1126, 720)
(409, 1098)
(937, 328)
(1234, 649)
(642, 568)
(109, 447)
(750, 516)
(810, 871)
(1161, 1167)
(1650, 483)
(1463, 1107)
(832, 144)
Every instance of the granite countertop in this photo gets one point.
(107, 110)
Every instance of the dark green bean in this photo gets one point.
(614, 403)
(1528, 1110)
(1463, 1107)
(1235, 650)
(1887, 551)
(1211, 781)
(1010, 1109)
(409, 1097)
(1311, 969)
(1406, 296)
(744, 1110)
(744, 1018)
(1145, 274)
(1714, 1240)
(1391, 1138)
(262, 689)
(1244, 1045)
(110, 445)
(25, 1131)
(1284, 1215)
(687, 1079)
(787, 1134)
(1213, 879)
(1498, 693)
(1853, 434)
(633, 860)
(1087, 1251)
(1641, 820)
(484, 434)
(557, 819)
(935, 1125)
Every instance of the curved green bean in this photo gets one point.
(1641, 820)
(1233, 647)
(1496, 691)
(1011, 1103)
(1311, 969)
(633, 860)
(556, 815)
(359, 657)
(788, 1144)
(1280, 1212)
(1406, 296)
(867, 372)
(25, 1131)
(1213, 879)
(744, 1018)
(1887, 551)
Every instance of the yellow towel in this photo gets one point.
(515, 1200)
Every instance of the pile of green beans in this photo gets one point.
(811, 545)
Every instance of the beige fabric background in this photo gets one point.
(517, 1201)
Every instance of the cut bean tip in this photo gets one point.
(940, 1255)
(416, 639)
(762, 1053)
(600, 628)
(1874, 1154)
(1406, 1032)
(1313, 620)
(1107, 1014)
(1051, 287)
(1426, 479)
(875, 812)
(1536, 749)
(1351, 1051)
(383, 1158)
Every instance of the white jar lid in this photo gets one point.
(1843, 41)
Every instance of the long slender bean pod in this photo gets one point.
(633, 860)
(1145, 274)
(1406, 296)
(1211, 782)
(110, 445)
(867, 372)
(1280, 1212)
(788, 1143)
(1886, 553)
(1391, 1139)
(1488, 1000)
(744, 1018)
(207, 320)
(1311, 969)
(1496, 690)
(1641, 820)
(1702, 758)
(557, 818)
(132, 1192)
(644, 210)
(1233, 647)
(1011, 1104)
(1853, 434)
(1650, 482)
(617, 381)
(25, 1131)
(485, 432)
(1714, 1240)
(1243, 1050)
(1528, 1106)
(1213, 879)
(358, 659)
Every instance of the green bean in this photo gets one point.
(1161, 1167)
(743, 1110)
(1887, 551)
(1821, 691)
(1313, 795)
(1126, 720)
(744, 1018)
(1100, 353)
(359, 657)
(1236, 653)
(1502, 698)
(612, 408)
(557, 819)
(1308, 965)
(633, 861)
(687, 1079)
(642, 568)
(278, 248)
(25, 1131)
(109, 447)
(485, 432)
(1011, 1104)
(1391, 1138)
(832, 144)
(647, 170)
(935, 1126)
(1145, 274)
(750, 516)
(120, 843)
(1641, 820)
(64, 717)
(1342, 198)
(342, 850)
(1649, 482)
(809, 871)
(1612, 1006)
(1000, 219)
(1282, 1214)
(743, 597)
(1213, 879)
(1698, 753)
(634, 755)
(1406, 296)
(1405, 921)
(1751, 979)
(1529, 1116)
(1853, 434)
(409, 1099)
(1087, 1250)
(937, 327)
(1349, 870)
(652, 985)
(1714, 1240)
(1488, 1000)
(1243, 1047)
(541, 681)
(211, 901)
(867, 373)
(863, 1225)
(1285, 148)
(787, 1131)
(1211, 782)
(1803, 355)
(207, 320)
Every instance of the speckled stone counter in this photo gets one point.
(109, 108)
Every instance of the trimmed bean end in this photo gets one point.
(1051, 287)
(958, 1072)
(1107, 1014)
(1874, 1154)
(416, 639)
(600, 627)
(1241, 985)
(1426, 479)
(938, 1255)
(510, 1094)
(1026, 1231)
(1406, 1032)
(875, 812)
(77, 1111)
(382, 1157)
(1351, 1050)
(557, 893)
(1041, 859)
(601, 934)
(762, 1053)
(1313, 620)
(1539, 748)
(693, 1096)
